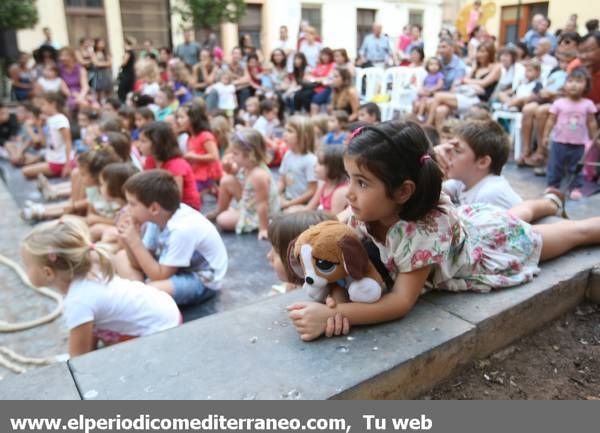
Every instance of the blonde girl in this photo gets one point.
(148, 73)
(298, 183)
(180, 81)
(254, 186)
(98, 305)
(221, 127)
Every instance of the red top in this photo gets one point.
(179, 167)
(325, 200)
(322, 70)
(204, 170)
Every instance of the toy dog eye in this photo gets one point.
(325, 266)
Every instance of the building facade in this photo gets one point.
(341, 23)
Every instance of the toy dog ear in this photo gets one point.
(356, 260)
(294, 264)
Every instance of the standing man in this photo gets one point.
(48, 39)
(375, 49)
(539, 29)
(189, 51)
(286, 46)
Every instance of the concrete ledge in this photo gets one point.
(255, 353)
(49, 383)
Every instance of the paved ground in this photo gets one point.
(248, 280)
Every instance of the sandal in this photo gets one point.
(33, 212)
(533, 160)
(558, 199)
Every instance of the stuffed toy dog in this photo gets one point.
(329, 253)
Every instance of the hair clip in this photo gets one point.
(356, 132)
(424, 158)
(243, 141)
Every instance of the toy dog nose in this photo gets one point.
(309, 280)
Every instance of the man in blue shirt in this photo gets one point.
(189, 50)
(539, 29)
(375, 48)
(452, 67)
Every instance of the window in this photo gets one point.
(146, 19)
(364, 24)
(312, 14)
(251, 23)
(83, 3)
(415, 16)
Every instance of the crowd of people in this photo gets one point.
(284, 142)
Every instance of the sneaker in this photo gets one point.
(34, 212)
(576, 194)
(539, 171)
(558, 199)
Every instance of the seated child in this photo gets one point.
(51, 82)
(526, 91)
(433, 82)
(143, 116)
(180, 251)
(424, 241)
(57, 140)
(331, 193)
(297, 181)
(321, 127)
(369, 113)
(336, 125)
(159, 145)
(202, 149)
(90, 164)
(267, 121)
(165, 100)
(249, 114)
(99, 306)
(24, 149)
(254, 187)
(575, 119)
(283, 229)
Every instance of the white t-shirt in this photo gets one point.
(226, 94)
(190, 242)
(263, 126)
(492, 189)
(311, 52)
(128, 308)
(50, 86)
(299, 170)
(55, 145)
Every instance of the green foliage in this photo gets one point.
(208, 14)
(17, 14)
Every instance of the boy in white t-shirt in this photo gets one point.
(473, 163)
(180, 252)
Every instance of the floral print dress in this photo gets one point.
(475, 247)
(249, 221)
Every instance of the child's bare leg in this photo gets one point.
(563, 236)
(533, 210)
(124, 269)
(77, 186)
(164, 285)
(541, 115)
(229, 188)
(228, 219)
(29, 159)
(34, 169)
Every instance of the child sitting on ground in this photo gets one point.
(57, 140)
(202, 149)
(283, 229)
(158, 144)
(254, 187)
(575, 121)
(98, 305)
(143, 116)
(166, 102)
(297, 182)
(337, 125)
(249, 114)
(267, 121)
(331, 193)
(424, 241)
(25, 148)
(369, 113)
(180, 251)
(473, 163)
(321, 127)
(51, 82)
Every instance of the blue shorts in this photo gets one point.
(189, 289)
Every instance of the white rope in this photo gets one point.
(7, 356)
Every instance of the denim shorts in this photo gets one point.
(189, 289)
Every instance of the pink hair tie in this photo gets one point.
(356, 132)
(92, 246)
(424, 158)
(52, 257)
